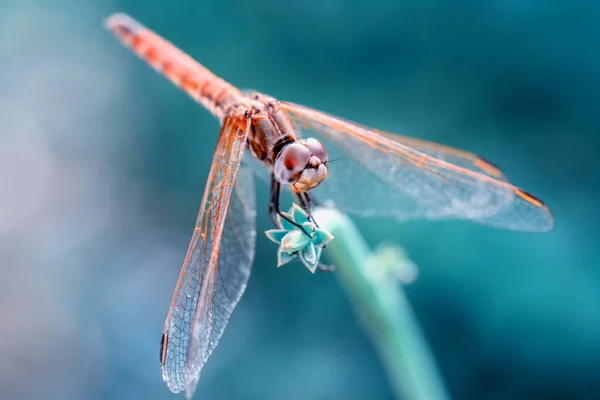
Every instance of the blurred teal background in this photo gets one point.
(103, 164)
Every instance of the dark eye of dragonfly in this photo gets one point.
(316, 149)
(291, 162)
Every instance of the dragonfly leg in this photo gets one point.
(306, 202)
(274, 203)
(274, 209)
(310, 200)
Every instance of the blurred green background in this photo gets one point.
(103, 164)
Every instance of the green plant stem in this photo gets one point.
(383, 308)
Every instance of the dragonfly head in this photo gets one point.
(302, 164)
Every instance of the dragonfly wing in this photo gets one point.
(258, 168)
(382, 174)
(217, 265)
(236, 256)
(450, 155)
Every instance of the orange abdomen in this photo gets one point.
(202, 85)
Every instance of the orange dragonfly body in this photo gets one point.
(401, 177)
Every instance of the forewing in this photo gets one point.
(217, 265)
(451, 155)
(382, 174)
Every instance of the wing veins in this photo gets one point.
(203, 256)
(458, 185)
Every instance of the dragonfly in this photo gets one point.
(377, 174)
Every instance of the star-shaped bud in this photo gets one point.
(303, 240)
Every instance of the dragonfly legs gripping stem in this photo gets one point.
(306, 202)
(274, 209)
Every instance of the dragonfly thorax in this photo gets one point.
(301, 164)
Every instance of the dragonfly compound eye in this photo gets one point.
(316, 149)
(291, 162)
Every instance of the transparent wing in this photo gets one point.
(217, 265)
(236, 256)
(451, 155)
(258, 168)
(377, 173)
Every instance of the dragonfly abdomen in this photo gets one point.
(202, 85)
